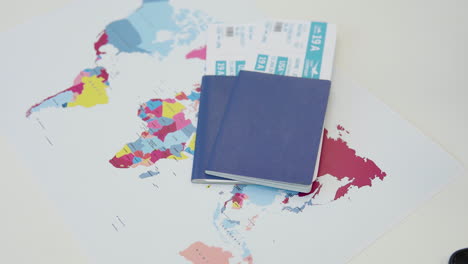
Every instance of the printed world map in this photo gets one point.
(156, 28)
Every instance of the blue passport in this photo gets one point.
(215, 91)
(271, 132)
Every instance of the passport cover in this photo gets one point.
(272, 130)
(215, 91)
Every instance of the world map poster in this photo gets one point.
(100, 102)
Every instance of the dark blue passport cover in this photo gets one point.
(272, 129)
(215, 91)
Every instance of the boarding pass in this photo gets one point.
(227, 48)
(293, 48)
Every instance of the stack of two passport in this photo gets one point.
(260, 128)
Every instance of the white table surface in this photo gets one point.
(410, 54)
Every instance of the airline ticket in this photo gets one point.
(227, 48)
(293, 48)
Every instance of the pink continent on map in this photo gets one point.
(103, 40)
(199, 253)
(197, 54)
(340, 161)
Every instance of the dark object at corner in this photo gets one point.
(459, 257)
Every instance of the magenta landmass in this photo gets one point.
(340, 161)
(343, 190)
(341, 129)
(162, 133)
(124, 161)
(104, 74)
(315, 186)
(158, 154)
(199, 53)
(75, 89)
(103, 40)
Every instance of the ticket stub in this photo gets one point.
(294, 48)
(227, 48)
